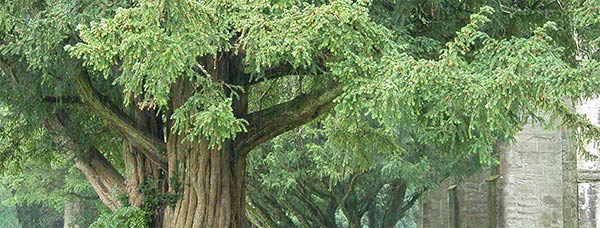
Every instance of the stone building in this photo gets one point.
(540, 182)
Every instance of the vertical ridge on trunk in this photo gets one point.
(211, 196)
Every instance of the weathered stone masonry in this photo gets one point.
(535, 187)
(541, 182)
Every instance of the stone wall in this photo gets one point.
(534, 190)
(472, 198)
(543, 183)
(433, 210)
(536, 187)
(472, 204)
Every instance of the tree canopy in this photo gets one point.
(160, 103)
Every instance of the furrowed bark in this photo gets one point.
(150, 146)
(104, 178)
(268, 123)
(140, 171)
(209, 180)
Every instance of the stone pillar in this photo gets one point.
(472, 195)
(491, 201)
(453, 208)
(535, 187)
(433, 208)
(589, 173)
(569, 179)
(532, 181)
(460, 204)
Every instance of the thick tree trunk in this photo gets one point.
(209, 180)
(393, 206)
(198, 185)
(212, 187)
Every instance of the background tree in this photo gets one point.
(173, 79)
(51, 197)
(43, 184)
(327, 175)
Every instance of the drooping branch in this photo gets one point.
(102, 175)
(269, 210)
(104, 178)
(268, 123)
(319, 212)
(152, 147)
(349, 202)
(412, 200)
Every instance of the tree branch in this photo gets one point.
(151, 147)
(104, 178)
(268, 123)
(319, 215)
(412, 200)
(268, 206)
(7, 69)
(393, 204)
(102, 175)
(273, 73)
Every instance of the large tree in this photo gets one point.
(174, 79)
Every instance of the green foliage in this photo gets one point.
(364, 44)
(429, 85)
(155, 43)
(36, 215)
(40, 174)
(124, 217)
(318, 164)
(200, 116)
(40, 192)
(423, 119)
(154, 198)
(339, 32)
